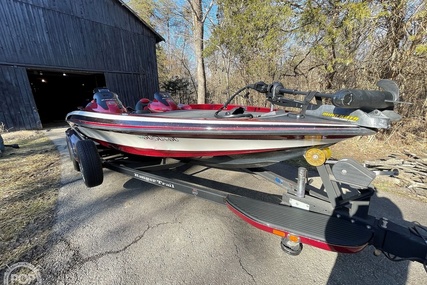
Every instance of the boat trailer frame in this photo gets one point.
(332, 215)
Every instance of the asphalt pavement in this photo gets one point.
(126, 231)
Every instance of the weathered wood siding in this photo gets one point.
(74, 34)
(129, 87)
(17, 106)
(85, 35)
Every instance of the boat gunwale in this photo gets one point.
(256, 121)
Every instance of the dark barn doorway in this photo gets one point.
(57, 93)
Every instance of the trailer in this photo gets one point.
(325, 206)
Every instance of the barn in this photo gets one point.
(54, 53)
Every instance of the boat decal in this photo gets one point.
(154, 181)
(340, 116)
(314, 137)
(159, 138)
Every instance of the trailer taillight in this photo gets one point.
(293, 238)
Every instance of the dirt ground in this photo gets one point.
(366, 149)
(29, 183)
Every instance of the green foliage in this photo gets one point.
(259, 33)
(143, 8)
(180, 89)
(307, 44)
(252, 31)
(334, 29)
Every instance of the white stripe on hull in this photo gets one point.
(160, 143)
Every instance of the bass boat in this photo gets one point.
(255, 135)
(325, 204)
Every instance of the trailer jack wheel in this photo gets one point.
(290, 247)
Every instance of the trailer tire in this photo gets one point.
(89, 163)
(76, 165)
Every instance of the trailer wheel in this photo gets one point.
(72, 157)
(90, 163)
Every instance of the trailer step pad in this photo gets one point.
(313, 226)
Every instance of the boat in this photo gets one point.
(323, 203)
(261, 135)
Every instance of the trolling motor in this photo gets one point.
(366, 100)
(366, 108)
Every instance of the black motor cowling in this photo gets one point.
(363, 99)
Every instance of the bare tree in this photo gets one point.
(199, 18)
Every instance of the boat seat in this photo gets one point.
(142, 106)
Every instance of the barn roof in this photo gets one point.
(159, 38)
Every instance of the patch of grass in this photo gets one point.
(29, 183)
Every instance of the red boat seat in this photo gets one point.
(105, 101)
(142, 106)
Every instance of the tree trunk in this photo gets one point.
(198, 47)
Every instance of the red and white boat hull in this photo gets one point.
(198, 134)
(173, 146)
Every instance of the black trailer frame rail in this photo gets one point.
(175, 184)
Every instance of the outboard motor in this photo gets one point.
(105, 101)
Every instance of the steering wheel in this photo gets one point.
(237, 112)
